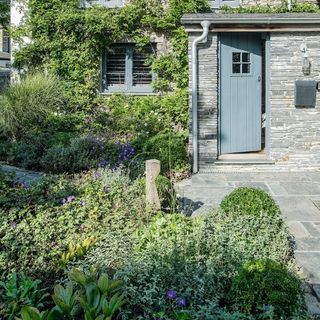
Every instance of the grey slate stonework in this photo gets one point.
(294, 132)
(207, 99)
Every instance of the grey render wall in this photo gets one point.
(295, 132)
(207, 99)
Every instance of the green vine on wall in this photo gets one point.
(69, 41)
(283, 8)
(4, 13)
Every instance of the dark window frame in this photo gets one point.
(128, 86)
(241, 63)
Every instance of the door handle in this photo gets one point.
(259, 78)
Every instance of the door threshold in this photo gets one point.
(244, 158)
(243, 162)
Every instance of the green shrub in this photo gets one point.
(24, 104)
(26, 155)
(196, 257)
(166, 192)
(266, 282)
(83, 153)
(170, 149)
(38, 223)
(20, 291)
(249, 201)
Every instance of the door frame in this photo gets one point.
(265, 88)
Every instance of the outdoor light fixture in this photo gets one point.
(306, 64)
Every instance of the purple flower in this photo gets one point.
(182, 302)
(24, 185)
(13, 225)
(171, 294)
(103, 163)
(70, 198)
(82, 203)
(97, 174)
(63, 201)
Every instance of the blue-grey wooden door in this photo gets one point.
(240, 92)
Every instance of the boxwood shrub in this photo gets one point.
(270, 284)
(249, 201)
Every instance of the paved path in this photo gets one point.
(21, 174)
(298, 195)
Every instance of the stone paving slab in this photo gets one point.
(309, 261)
(22, 175)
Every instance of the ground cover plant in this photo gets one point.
(170, 266)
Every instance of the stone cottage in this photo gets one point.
(254, 88)
(254, 84)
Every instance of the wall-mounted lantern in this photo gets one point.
(306, 63)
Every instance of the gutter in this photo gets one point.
(205, 25)
(231, 19)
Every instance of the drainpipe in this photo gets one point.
(205, 25)
(289, 5)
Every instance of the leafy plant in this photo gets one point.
(249, 201)
(196, 257)
(20, 291)
(265, 282)
(76, 251)
(169, 148)
(38, 222)
(66, 300)
(31, 313)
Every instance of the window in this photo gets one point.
(127, 69)
(5, 43)
(215, 4)
(104, 3)
(241, 63)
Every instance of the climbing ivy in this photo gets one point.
(282, 8)
(69, 41)
(4, 13)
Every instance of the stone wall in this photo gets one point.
(295, 132)
(246, 3)
(207, 99)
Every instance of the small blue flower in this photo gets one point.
(171, 294)
(82, 203)
(24, 185)
(13, 225)
(63, 201)
(182, 302)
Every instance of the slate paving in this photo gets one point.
(297, 194)
(20, 174)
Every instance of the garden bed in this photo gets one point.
(234, 263)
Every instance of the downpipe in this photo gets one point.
(205, 25)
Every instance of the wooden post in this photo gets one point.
(152, 171)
